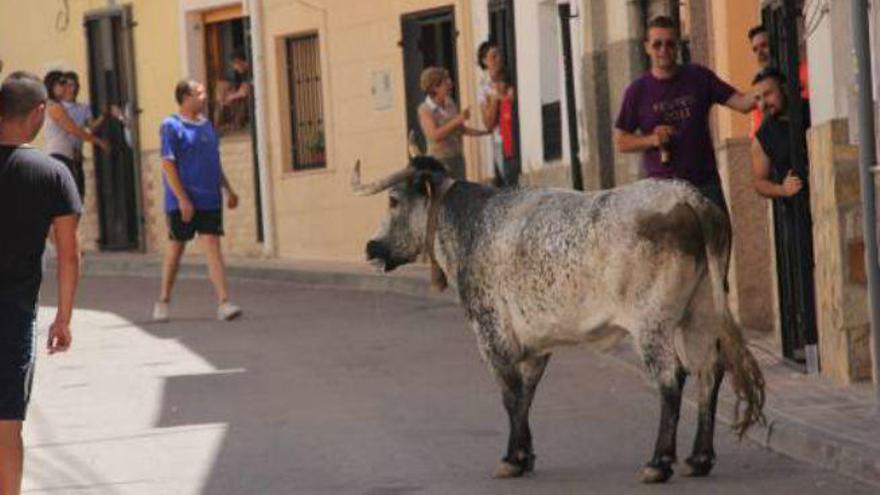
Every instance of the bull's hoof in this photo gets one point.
(507, 470)
(656, 473)
(514, 466)
(698, 465)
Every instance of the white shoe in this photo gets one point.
(228, 311)
(160, 311)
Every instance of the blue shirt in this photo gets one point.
(194, 149)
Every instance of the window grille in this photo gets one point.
(307, 145)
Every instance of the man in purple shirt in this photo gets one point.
(665, 114)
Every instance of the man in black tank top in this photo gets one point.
(777, 176)
(36, 191)
(772, 172)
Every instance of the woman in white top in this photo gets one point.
(60, 128)
(489, 59)
(441, 122)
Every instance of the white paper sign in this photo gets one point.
(381, 89)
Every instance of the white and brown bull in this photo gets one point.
(539, 268)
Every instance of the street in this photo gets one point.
(337, 391)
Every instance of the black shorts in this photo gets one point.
(17, 354)
(204, 222)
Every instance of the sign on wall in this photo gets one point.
(381, 89)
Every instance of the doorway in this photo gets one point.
(112, 89)
(428, 40)
(502, 31)
(792, 221)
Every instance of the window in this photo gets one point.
(306, 102)
(227, 70)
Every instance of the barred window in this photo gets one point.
(306, 102)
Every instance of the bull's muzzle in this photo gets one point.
(377, 251)
(380, 256)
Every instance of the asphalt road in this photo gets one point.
(338, 391)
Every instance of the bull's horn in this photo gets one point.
(412, 146)
(380, 185)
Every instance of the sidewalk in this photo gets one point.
(808, 417)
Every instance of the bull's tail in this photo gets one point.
(746, 376)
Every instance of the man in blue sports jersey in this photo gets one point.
(194, 182)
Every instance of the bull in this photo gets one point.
(539, 268)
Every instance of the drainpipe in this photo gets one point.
(254, 10)
(867, 165)
(565, 16)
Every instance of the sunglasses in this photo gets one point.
(658, 44)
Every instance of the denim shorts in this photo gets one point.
(17, 359)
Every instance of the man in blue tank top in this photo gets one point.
(193, 180)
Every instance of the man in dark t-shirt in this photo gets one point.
(665, 114)
(36, 192)
(780, 174)
(242, 90)
(772, 172)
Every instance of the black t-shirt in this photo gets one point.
(774, 138)
(34, 189)
(238, 78)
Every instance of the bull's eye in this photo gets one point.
(392, 202)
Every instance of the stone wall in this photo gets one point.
(240, 225)
(752, 284)
(89, 226)
(841, 292)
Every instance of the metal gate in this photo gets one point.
(791, 216)
(112, 84)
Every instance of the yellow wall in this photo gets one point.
(734, 61)
(316, 214)
(30, 41)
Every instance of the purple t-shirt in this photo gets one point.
(683, 102)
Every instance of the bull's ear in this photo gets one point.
(431, 181)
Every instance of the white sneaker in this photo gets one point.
(228, 311)
(160, 311)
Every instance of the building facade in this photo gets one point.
(336, 81)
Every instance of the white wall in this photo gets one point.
(540, 73)
(528, 80)
(480, 29)
(551, 52)
(832, 66)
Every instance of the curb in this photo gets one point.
(786, 435)
(411, 282)
(781, 433)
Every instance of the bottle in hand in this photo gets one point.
(665, 156)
